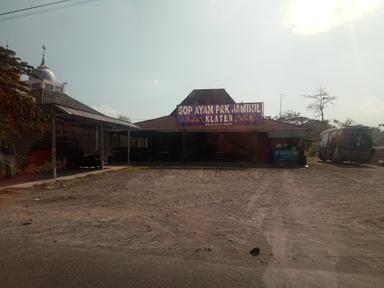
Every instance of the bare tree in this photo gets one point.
(320, 102)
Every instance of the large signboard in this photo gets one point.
(220, 114)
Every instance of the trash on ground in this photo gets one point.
(255, 251)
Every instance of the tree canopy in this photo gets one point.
(292, 117)
(19, 114)
(347, 122)
(124, 118)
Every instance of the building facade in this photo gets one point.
(208, 125)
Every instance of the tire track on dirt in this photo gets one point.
(293, 235)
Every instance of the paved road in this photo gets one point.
(29, 265)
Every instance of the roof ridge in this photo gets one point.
(88, 107)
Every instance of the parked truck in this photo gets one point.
(346, 144)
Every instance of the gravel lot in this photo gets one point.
(316, 227)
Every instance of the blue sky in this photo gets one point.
(141, 58)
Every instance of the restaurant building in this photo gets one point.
(208, 126)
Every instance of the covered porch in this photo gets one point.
(83, 139)
(214, 146)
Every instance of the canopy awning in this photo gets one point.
(96, 117)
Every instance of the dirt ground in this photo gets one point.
(316, 227)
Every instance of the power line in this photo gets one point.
(46, 10)
(33, 7)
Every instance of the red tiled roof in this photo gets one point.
(169, 124)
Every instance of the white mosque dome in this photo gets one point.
(43, 72)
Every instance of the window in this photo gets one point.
(141, 142)
(49, 87)
(115, 140)
(324, 140)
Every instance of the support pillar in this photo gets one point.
(102, 147)
(54, 164)
(221, 137)
(184, 146)
(129, 146)
(151, 149)
(97, 139)
(255, 148)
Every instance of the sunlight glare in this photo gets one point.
(314, 16)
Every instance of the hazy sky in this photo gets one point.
(141, 58)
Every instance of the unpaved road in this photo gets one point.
(317, 227)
